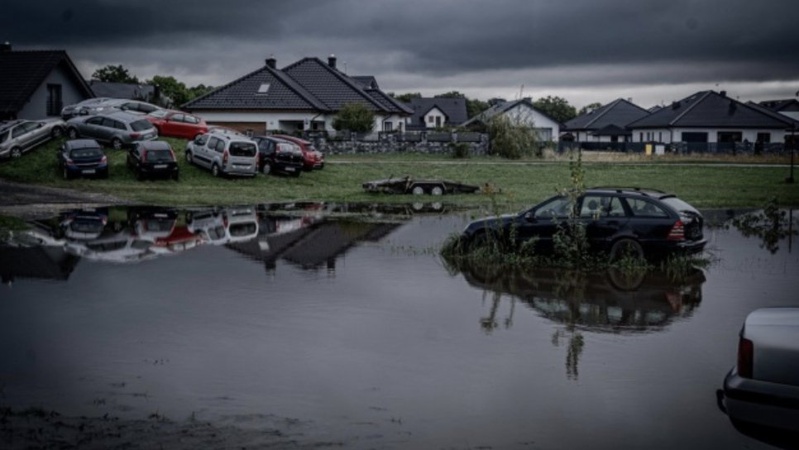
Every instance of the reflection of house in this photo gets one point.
(437, 112)
(305, 95)
(35, 84)
(39, 262)
(520, 111)
(132, 91)
(605, 124)
(710, 117)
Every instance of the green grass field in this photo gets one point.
(705, 182)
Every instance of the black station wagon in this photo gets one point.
(645, 223)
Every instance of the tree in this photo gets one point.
(114, 74)
(451, 94)
(355, 117)
(406, 98)
(588, 108)
(171, 88)
(512, 138)
(556, 107)
(475, 107)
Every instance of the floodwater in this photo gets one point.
(340, 323)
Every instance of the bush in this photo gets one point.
(460, 150)
(512, 139)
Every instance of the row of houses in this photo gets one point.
(305, 96)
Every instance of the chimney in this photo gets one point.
(5, 47)
(271, 62)
(331, 61)
(723, 93)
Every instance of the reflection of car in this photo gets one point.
(82, 157)
(763, 387)
(278, 156)
(208, 223)
(85, 107)
(120, 247)
(152, 223)
(180, 238)
(312, 158)
(153, 159)
(224, 154)
(177, 124)
(408, 185)
(83, 224)
(19, 136)
(116, 128)
(619, 221)
(241, 223)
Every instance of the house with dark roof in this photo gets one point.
(35, 84)
(605, 124)
(521, 111)
(710, 117)
(436, 112)
(788, 107)
(131, 91)
(305, 95)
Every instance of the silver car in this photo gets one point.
(19, 136)
(84, 108)
(224, 154)
(118, 128)
(763, 387)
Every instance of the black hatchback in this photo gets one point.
(150, 159)
(642, 222)
(278, 156)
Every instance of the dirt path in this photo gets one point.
(29, 201)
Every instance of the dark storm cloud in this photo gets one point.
(419, 43)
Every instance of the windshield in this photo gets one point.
(158, 113)
(86, 153)
(554, 207)
(141, 125)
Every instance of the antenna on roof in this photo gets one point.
(521, 92)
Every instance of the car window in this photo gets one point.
(645, 208)
(592, 206)
(220, 146)
(120, 125)
(191, 119)
(177, 117)
(17, 131)
(30, 126)
(212, 143)
(265, 147)
(158, 155)
(95, 121)
(242, 149)
(201, 140)
(556, 207)
(144, 107)
(141, 125)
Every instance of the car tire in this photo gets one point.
(57, 133)
(417, 190)
(140, 175)
(72, 133)
(215, 171)
(296, 173)
(189, 158)
(65, 173)
(437, 190)
(266, 169)
(626, 247)
(479, 240)
(16, 152)
(116, 144)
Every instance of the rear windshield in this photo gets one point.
(86, 152)
(242, 149)
(141, 125)
(158, 156)
(678, 205)
(243, 229)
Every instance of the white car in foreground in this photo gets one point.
(763, 387)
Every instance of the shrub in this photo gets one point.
(460, 150)
(512, 138)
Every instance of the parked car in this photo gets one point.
(131, 106)
(618, 221)
(82, 157)
(763, 387)
(312, 158)
(118, 128)
(278, 156)
(224, 154)
(150, 159)
(19, 136)
(85, 107)
(177, 124)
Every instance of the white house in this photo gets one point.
(523, 112)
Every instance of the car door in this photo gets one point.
(177, 126)
(91, 127)
(542, 222)
(38, 132)
(22, 136)
(604, 218)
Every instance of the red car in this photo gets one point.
(177, 124)
(312, 158)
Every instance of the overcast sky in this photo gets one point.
(583, 50)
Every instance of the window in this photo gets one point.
(54, 102)
(95, 121)
(141, 125)
(263, 88)
(212, 143)
(430, 119)
(388, 126)
(191, 119)
(242, 149)
(644, 208)
(764, 137)
(557, 207)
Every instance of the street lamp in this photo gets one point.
(789, 180)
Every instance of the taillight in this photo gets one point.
(69, 162)
(746, 357)
(104, 160)
(677, 232)
(172, 153)
(224, 158)
(134, 135)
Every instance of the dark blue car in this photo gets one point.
(82, 157)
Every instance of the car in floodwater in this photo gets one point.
(762, 389)
(642, 223)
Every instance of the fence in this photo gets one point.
(681, 148)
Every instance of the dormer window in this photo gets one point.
(264, 88)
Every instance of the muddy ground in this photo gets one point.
(28, 201)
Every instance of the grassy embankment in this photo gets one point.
(706, 185)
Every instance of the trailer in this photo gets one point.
(408, 185)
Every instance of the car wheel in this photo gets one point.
(65, 173)
(626, 247)
(189, 158)
(417, 190)
(104, 175)
(16, 152)
(140, 175)
(116, 143)
(72, 133)
(266, 169)
(57, 132)
(437, 190)
(215, 171)
(296, 173)
(176, 176)
(479, 240)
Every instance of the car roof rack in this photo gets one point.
(628, 188)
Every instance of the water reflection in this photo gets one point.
(605, 302)
(771, 225)
(309, 235)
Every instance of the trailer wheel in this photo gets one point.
(437, 190)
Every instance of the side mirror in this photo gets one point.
(528, 216)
